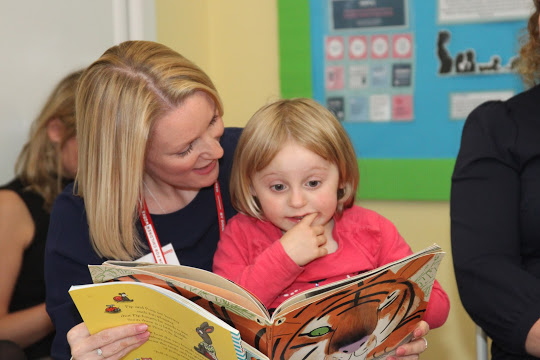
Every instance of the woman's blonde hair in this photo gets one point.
(39, 165)
(307, 123)
(528, 64)
(119, 98)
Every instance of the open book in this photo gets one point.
(369, 314)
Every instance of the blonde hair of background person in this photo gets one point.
(309, 125)
(529, 56)
(40, 164)
(110, 178)
(46, 161)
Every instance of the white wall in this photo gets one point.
(41, 41)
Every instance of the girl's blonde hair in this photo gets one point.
(310, 125)
(119, 98)
(39, 165)
(528, 64)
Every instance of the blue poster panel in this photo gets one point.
(403, 75)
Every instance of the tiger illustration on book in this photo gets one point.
(351, 324)
(366, 321)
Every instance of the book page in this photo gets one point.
(424, 279)
(203, 283)
(172, 322)
(251, 325)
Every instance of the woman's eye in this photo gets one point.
(278, 187)
(214, 119)
(313, 183)
(187, 151)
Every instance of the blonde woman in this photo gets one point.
(151, 136)
(494, 208)
(47, 161)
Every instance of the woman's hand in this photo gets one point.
(112, 344)
(413, 349)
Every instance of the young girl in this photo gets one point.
(294, 181)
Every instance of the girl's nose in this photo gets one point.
(297, 198)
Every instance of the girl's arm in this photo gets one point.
(24, 327)
(247, 257)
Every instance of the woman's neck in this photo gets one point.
(166, 199)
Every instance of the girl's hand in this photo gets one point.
(413, 349)
(112, 344)
(304, 242)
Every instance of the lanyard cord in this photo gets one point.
(150, 230)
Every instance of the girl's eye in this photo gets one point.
(313, 183)
(278, 187)
(187, 151)
(214, 119)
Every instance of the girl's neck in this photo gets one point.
(331, 244)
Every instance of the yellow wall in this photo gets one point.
(236, 43)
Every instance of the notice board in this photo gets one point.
(402, 76)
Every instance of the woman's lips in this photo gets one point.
(206, 169)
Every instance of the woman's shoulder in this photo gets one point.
(525, 100)
(11, 191)
(67, 201)
(521, 110)
(228, 142)
(11, 200)
(505, 128)
(16, 221)
(16, 192)
(15, 185)
(230, 137)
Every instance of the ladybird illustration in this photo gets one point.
(112, 309)
(123, 297)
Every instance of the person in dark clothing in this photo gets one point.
(494, 208)
(46, 162)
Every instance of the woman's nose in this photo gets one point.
(212, 148)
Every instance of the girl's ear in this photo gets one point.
(252, 191)
(341, 191)
(55, 130)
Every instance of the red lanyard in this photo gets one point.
(150, 230)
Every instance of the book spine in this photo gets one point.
(237, 342)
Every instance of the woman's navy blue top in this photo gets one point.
(193, 231)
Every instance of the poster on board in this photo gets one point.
(461, 11)
(402, 82)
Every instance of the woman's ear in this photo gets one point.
(55, 130)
